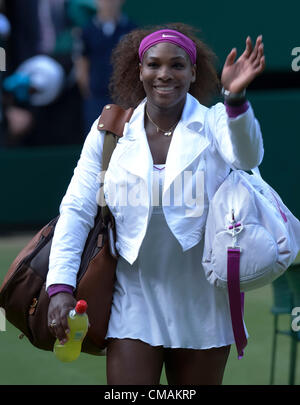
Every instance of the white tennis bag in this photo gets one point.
(251, 238)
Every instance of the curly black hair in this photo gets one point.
(127, 90)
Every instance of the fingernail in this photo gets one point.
(67, 331)
(63, 341)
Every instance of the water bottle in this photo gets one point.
(78, 325)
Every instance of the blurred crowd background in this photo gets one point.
(57, 67)
(55, 82)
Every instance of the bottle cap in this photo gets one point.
(81, 307)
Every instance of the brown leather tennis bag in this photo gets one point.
(23, 294)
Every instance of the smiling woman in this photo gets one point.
(163, 311)
(166, 72)
(165, 68)
(127, 91)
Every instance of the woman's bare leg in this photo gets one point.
(196, 367)
(131, 361)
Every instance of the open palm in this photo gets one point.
(237, 75)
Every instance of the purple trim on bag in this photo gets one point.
(235, 111)
(236, 299)
(58, 288)
(280, 210)
(235, 226)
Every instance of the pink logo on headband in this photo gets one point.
(172, 36)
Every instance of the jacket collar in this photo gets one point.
(188, 141)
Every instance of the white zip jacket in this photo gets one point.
(205, 144)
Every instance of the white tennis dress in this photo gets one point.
(163, 298)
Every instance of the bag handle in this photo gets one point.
(256, 171)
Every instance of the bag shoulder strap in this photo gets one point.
(112, 120)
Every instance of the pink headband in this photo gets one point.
(172, 36)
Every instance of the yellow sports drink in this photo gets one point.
(78, 325)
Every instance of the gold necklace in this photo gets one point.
(166, 133)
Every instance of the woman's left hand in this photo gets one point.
(236, 76)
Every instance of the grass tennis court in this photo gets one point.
(21, 363)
